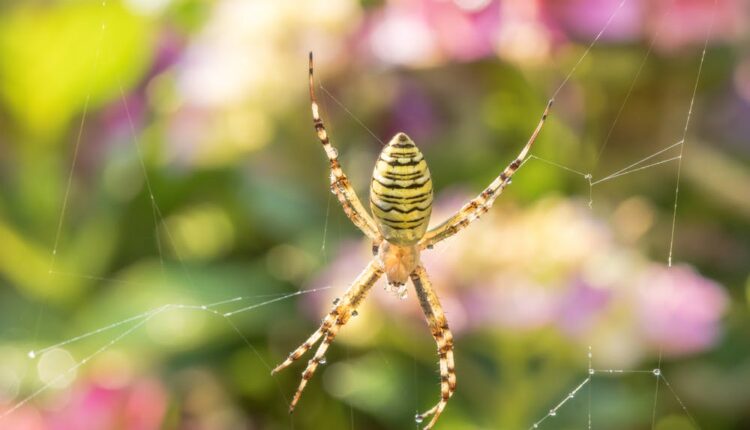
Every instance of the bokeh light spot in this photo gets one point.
(56, 368)
(289, 263)
(176, 327)
(202, 232)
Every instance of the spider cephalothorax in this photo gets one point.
(401, 204)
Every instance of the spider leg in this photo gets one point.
(342, 311)
(340, 184)
(475, 208)
(438, 324)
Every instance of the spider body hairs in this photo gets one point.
(401, 204)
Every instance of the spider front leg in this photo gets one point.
(340, 184)
(481, 204)
(438, 324)
(342, 311)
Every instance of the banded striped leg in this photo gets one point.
(332, 323)
(482, 203)
(340, 184)
(443, 337)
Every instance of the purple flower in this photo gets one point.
(580, 306)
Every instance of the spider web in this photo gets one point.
(668, 154)
(224, 310)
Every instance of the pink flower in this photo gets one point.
(463, 33)
(512, 304)
(558, 268)
(139, 406)
(682, 23)
(679, 310)
(26, 417)
(584, 19)
(422, 32)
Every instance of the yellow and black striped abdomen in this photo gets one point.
(401, 192)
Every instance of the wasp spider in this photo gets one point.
(401, 203)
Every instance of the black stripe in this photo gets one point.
(400, 225)
(401, 154)
(399, 199)
(414, 209)
(403, 221)
(402, 202)
(403, 187)
(403, 145)
(401, 176)
(396, 163)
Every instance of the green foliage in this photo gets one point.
(56, 60)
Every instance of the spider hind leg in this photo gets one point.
(438, 324)
(342, 311)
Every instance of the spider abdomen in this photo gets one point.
(401, 192)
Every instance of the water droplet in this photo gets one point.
(656, 372)
(571, 395)
(552, 413)
(536, 426)
(322, 360)
(204, 307)
(591, 371)
(355, 313)
(510, 181)
(336, 301)
(418, 418)
(32, 355)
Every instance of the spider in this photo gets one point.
(401, 204)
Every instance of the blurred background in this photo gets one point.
(162, 152)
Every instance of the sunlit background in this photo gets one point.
(157, 152)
